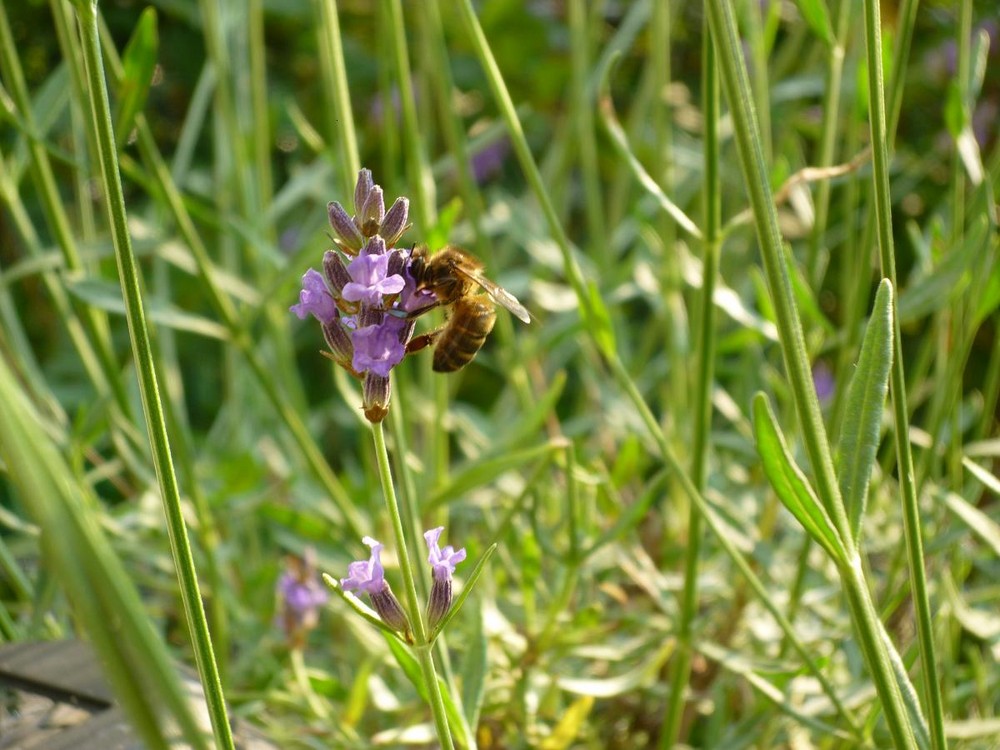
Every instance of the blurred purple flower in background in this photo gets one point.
(489, 160)
(300, 595)
(823, 382)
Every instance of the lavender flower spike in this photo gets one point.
(315, 298)
(443, 562)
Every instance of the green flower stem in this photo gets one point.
(711, 198)
(149, 389)
(789, 325)
(423, 646)
(340, 117)
(897, 383)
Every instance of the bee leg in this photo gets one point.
(423, 341)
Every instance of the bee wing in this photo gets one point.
(500, 295)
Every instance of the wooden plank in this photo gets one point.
(63, 670)
(108, 730)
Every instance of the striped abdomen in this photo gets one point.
(464, 334)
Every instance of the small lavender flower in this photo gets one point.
(369, 576)
(315, 299)
(443, 562)
(377, 348)
(300, 595)
(370, 279)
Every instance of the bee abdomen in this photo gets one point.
(464, 335)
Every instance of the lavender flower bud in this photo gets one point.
(370, 218)
(389, 609)
(336, 271)
(439, 602)
(344, 226)
(339, 341)
(375, 396)
(361, 190)
(394, 223)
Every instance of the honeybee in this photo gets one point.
(455, 277)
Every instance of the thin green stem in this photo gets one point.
(149, 388)
(897, 378)
(422, 646)
(712, 202)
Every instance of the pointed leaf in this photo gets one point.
(789, 483)
(817, 16)
(859, 438)
(139, 61)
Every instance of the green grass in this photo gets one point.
(672, 537)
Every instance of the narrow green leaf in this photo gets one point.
(570, 725)
(817, 16)
(790, 483)
(597, 319)
(106, 295)
(981, 524)
(955, 115)
(861, 433)
(948, 279)
(139, 61)
(480, 472)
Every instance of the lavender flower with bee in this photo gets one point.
(370, 293)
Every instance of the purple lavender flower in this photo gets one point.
(369, 576)
(366, 575)
(377, 348)
(300, 595)
(443, 562)
(370, 280)
(315, 298)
